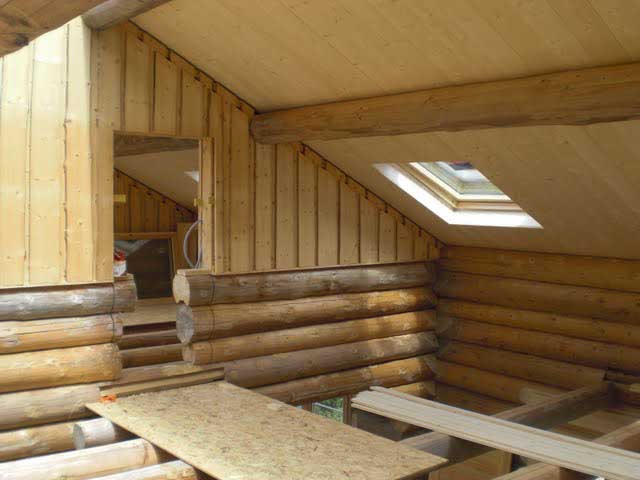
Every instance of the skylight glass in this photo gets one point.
(458, 193)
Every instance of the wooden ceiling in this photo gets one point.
(580, 183)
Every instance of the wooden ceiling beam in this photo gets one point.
(21, 21)
(112, 12)
(577, 97)
(125, 145)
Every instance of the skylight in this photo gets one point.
(458, 193)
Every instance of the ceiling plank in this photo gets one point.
(125, 145)
(577, 97)
(112, 12)
(21, 21)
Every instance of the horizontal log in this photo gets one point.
(148, 339)
(97, 432)
(476, 402)
(544, 415)
(259, 371)
(62, 366)
(31, 335)
(597, 272)
(165, 471)
(556, 347)
(155, 372)
(303, 338)
(34, 441)
(626, 438)
(424, 389)
(526, 367)
(112, 12)
(575, 97)
(67, 301)
(495, 385)
(138, 357)
(348, 382)
(37, 407)
(196, 288)
(84, 464)
(571, 326)
(609, 305)
(230, 320)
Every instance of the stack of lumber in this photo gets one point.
(310, 334)
(515, 326)
(56, 345)
(149, 334)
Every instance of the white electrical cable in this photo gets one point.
(184, 246)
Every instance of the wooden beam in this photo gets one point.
(577, 97)
(627, 437)
(571, 453)
(126, 145)
(544, 414)
(21, 21)
(112, 12)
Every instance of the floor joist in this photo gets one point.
(547, 447)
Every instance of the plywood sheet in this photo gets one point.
(232, 433)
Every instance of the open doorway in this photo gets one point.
(155, 210)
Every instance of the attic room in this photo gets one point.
(345, 239)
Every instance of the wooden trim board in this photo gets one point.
(547, 447)
(230, 433)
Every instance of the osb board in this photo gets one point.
(231, 433)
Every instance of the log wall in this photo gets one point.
(307, 335)
(56, 344)
(516, 325)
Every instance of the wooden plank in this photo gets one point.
(290, 444)
(578, 97)
(240, 194)
(205, 239)
(107, 108)
(307, 212)
(369, 231)
(328, 218)
(125, 145)
(404, 242)
(80, 254)
(137, 91)
(388, 238)
(47, 187)
(265, 207)
(165, 95)
(112, 12)
(286, 206)
(533, 443)
(193, 106)
(219, 175)
(15, 100)
(349, 225)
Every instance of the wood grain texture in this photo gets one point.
(276, 451)
(544, 446)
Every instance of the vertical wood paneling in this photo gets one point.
(206, 194)
(369, 234)
(286, 206)
(404, 242)
(307, 212)
(47, 189)
(420, 248)
(137, 94)
(219, 176)
(349, 225)
(328, 218)
(387, 238)
(226, 179)
(193, 107)
(136, 208)
(265, 207)
(78, 162)
(14, 157)
(165, 95)
(241, 194)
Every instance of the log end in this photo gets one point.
(79, 441)
(184, 324)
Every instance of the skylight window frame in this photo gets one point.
(451, 210)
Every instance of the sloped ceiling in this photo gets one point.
(164, 172)
(580, 183)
